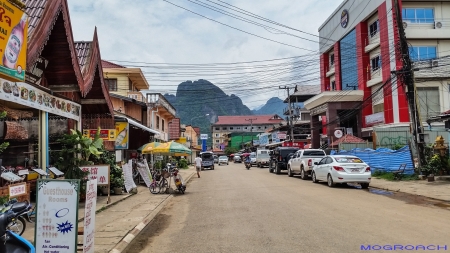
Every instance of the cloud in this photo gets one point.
(158, 32)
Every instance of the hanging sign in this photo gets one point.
(105, 134)
(13, 42)
(27, 95)
(56, 215)
(99, 173)
(122, 135)
(17, 190)
(89, 216)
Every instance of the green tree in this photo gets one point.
(230, 150)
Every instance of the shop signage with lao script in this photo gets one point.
(98, 172)
(35, 75)
(374, 119)
(13, 42)
(16, 190)
(57, 215)
(89, 216)
(105, 134)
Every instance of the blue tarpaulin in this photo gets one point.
(382, 158)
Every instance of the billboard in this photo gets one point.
(13, 42)
(122, 133)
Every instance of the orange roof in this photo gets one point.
(110, 65)
(244, 119)
(347, 139)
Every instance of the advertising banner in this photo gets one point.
(263, 139)
(122, 135)
(144, 171)
(27, 95)
(13, 42)
(56, 215)
(275, 137)
(128, 176)
(105, 134)
(89, 216)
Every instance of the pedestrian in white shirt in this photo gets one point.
(198, 165)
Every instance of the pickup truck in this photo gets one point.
(262, 158)
(303, 162)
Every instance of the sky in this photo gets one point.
(172, 45)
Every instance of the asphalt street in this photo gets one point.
(231, 209)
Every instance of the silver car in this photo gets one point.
(223, 160)
(237, 159)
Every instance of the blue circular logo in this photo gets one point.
(344, 18)
(62, 212)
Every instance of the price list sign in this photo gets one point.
(89, 216)
(56, 216)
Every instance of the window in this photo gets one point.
(162, 125)
(375, 63)
(373, 28)
(378, 108)
(133, 96)
(422, 53)
(333, 85)
(231, 128)
(157, 122)
(259, 127)
(217, 128)
(112, 84)
(418, 15)
(217, 141)
(428, 101)
(331, 60)
(245, 127)
(217, 135)
(224, 128)
(238, 128)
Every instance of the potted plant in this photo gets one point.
(117, 181)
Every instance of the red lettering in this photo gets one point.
(102, 179)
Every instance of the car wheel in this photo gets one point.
(290, 172)
(314, 179)
(364, 185)
(330, 181)
(212, 167)
(303, 174)
(277, 169)
(258, 165)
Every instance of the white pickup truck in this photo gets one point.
(303, 162)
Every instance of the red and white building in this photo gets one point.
(358, 53)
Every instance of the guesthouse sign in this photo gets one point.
(344, 18)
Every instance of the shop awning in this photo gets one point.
(137, 124)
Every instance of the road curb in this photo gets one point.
(399, 190)
(132, 234)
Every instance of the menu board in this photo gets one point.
(56, 215)
(27, 95)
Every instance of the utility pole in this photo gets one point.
(251, 128)
(291, 129)
(407, 74)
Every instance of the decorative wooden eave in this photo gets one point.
(43, 15)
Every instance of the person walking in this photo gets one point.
(198, 165)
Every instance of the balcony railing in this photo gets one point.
(160, 100)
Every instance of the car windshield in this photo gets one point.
(348, 160)
(313, 153)
(207, 156)
(223, 157)
(263, 155)
(252, 156)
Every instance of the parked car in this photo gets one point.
(223, 160)
(207, 160)
(303, 162)
(280, 158)
(262, 158)
(341, 169)
(237, 158)
(252, 159)
(216, 159)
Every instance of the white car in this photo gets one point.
(223, 160)
(341, 169)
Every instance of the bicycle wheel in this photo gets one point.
(163, 185)
(154, 187)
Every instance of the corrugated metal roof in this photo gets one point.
(243, 120)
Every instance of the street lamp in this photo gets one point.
(192, 128)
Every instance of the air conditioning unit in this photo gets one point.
(434, 63)
(437, 24)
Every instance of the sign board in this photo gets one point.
(13, 42)
(264, 139)
(158, 157)
(203, 136)
(105, 134)
(118, 156)
(128, 176)
(56, 215)
(144, 170)
(34, 76)
(374, 119)
(281, 135)
(27, 95)
(349, 131)
(17, 190)
(338, 133)
(293, 144)
(121, 135)
(89, 216)
(99, 173)
(344, 18)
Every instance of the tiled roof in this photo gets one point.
(348, 139)
(34, 9)
(244, 120)
(110, 65)
(83, 50)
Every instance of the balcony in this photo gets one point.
(159, 101)
(372, 42)
(376, 77)
(136, 95)
(437, 29)
(432, 69)
(330, 71)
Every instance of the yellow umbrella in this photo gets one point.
(171, 148)
(148, 148)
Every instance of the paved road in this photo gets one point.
(232, 209)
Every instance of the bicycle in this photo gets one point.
(156, 181)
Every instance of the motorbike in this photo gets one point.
(18, 223)
(11, 242)
(179, 183)
(248, 165)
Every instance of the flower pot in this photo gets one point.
(105, 190)
(117, 191)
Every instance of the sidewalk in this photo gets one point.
(436, 190)
(117, 223)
